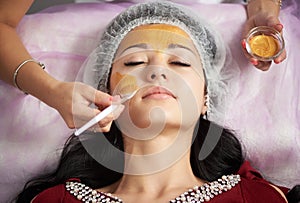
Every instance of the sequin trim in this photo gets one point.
(198, 194)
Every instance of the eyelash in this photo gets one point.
(178, 63)
(133, 63)
(136, 63)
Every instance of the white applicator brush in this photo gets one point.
(127, 91)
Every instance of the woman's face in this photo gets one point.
(162, 62)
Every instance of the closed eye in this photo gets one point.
(179, 63)
(133, 63)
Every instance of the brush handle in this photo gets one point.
(96, 119)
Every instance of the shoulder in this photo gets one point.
(254, 187)
(56, 194)
(251, 187)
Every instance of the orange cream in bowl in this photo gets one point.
(264, 43)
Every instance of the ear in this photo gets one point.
(205, 104)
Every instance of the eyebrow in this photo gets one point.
(174, 46)
(141, 45)
(146, 46)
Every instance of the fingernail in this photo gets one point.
(116, 98)
(279, 26)
(244, 43)
(277, 61)
(254, 62)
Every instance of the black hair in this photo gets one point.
(293, 196)
(223, 149)
(225, 158)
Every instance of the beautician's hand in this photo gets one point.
(260, 20)
(73, 99)
(263, 13)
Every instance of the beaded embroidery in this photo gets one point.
(198, 194)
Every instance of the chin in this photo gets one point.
(156, 114)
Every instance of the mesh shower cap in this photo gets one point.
(209, 46)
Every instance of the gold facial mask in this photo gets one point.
(263, 45)
(165, 27)
(155, 37)
(126, 84)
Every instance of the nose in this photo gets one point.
(156, 74)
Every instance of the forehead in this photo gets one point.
(163, 27)
(156, 37)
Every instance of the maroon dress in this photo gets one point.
(251, 188)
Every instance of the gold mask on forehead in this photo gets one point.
(170, 28)
(157, 36)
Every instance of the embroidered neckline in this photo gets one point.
(202, 193)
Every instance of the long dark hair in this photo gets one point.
(76, 162)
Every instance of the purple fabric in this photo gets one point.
(266, 110)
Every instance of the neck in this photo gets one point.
(179, 175)
(158, 153)
(158, 165)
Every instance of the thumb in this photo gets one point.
(102, 99)
(275, 23)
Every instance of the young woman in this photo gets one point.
(160, 149)
(18, 68)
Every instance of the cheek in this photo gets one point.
(152, 113)
(197, 87)
(139, 113)
(114, 80)
(123, 83)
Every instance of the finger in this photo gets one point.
(70, 123)
(281, 57)
(105, 121)
(102, 99)
(244, 49)
(263, 65)
(109, 119)
(278, 27)
(104, 124)
(101, 128)
(83, 114)
(274, 22)
(113, 116)
(115, 100)
(248, 26)
(106, 128)
(95, 96)
(250, 58)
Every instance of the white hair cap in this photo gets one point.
(208, 44)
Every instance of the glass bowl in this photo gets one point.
(264, 43)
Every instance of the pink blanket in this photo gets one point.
(265, 114)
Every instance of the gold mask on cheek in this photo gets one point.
(123, 83)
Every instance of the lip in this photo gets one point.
(158, 92)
